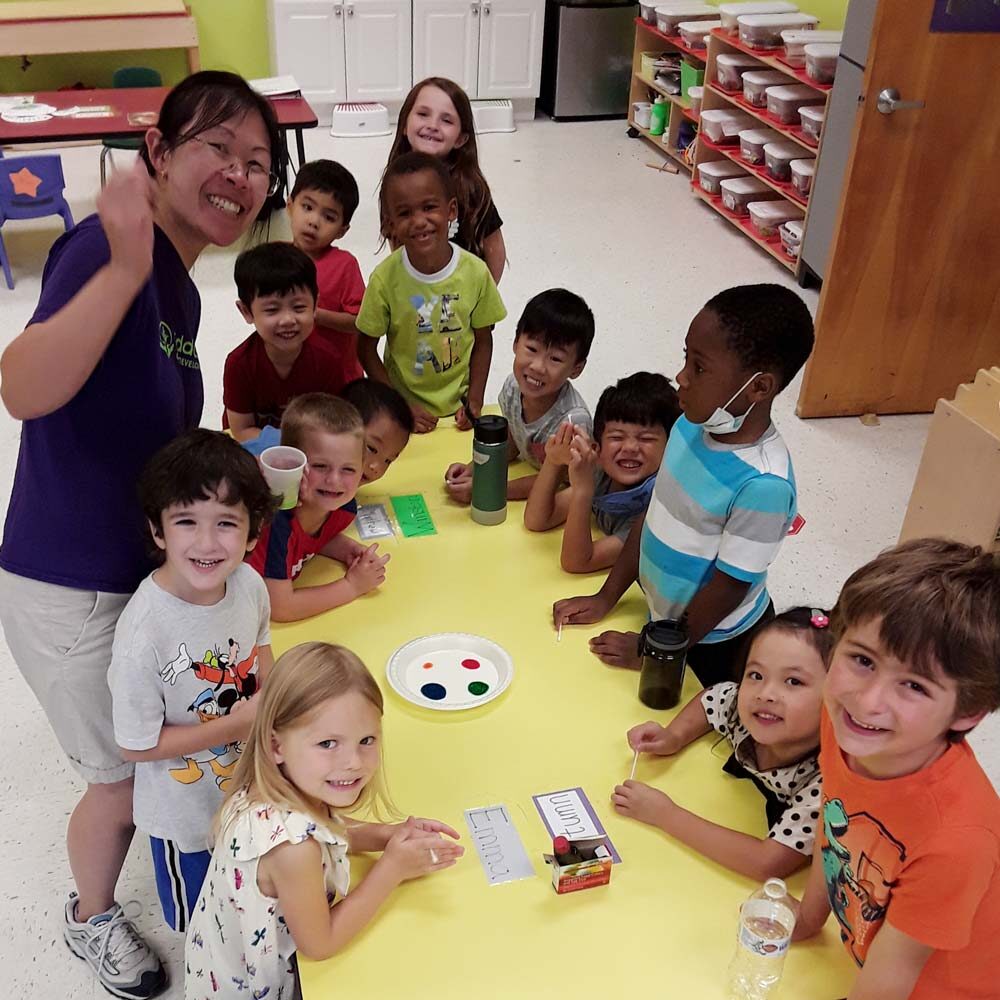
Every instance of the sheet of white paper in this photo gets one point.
(566, 814)
(498, 845)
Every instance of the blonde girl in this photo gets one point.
(280, 861)
(436, 118)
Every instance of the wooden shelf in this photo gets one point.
(682, 102)
(773, 59)
(675, 40)
(773, 247)
(784, 188)
(793, 132)
(660, 146)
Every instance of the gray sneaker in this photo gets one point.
(108, 942)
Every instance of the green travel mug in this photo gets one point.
(489, 470)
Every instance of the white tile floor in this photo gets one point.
(581, 210)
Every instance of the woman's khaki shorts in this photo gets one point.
(61, 641)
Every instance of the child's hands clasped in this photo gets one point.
(582, 461)
(637, 800)
(458, 482)
(418, 847)
(557, 448)
(367, 570)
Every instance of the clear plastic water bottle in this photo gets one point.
(766, 924)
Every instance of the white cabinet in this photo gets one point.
(377, 44)
(493, 48)
(308, 42)
(373, 50)
(446, 41)
(344, 50)
(510, 48)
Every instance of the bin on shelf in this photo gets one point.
(796, 40)
(712, 174)
(778, 157)
(731, 11)
(756, 83)
(724, 126)
(668, 16)
(647, 12)
(811, 118)
(753, 141)
(790, 233)
(803, 172)
(738, 192)
(695, 33)
(695, 95)
(763, 31)
(821, 61)
(783, 103)
(766, 216)
(730, 67)
(691, 76)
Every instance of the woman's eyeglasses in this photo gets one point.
(257, 175)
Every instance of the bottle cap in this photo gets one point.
(490, 430)
(774, 888)
(667, 635)
(560, 845)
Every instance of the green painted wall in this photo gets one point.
(233, 35)
(830, 12)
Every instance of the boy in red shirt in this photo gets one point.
(330, 432)
(281, 359)
(320, 209)
(908, 852)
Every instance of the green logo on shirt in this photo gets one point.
(176, 346)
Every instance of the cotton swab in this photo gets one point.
(434, 857)
(559, 633)
(635, 760)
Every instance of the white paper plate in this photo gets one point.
(28, 113)
(450, 671)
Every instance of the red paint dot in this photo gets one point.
(427, 666)
(471, 664)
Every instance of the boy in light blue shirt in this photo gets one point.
(725, 495)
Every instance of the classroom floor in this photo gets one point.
(580, 209)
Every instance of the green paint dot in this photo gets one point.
(478, 687)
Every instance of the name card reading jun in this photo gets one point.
(498, 845)
(568, 813)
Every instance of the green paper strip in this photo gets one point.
(413, 516)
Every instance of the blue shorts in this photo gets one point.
(179, 878)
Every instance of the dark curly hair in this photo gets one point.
(767, 326)
(204, 465)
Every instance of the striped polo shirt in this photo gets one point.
(715, 506)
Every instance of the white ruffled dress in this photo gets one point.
(238, 944)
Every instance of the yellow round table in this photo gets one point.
(666, 924)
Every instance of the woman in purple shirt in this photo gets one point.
(104, 374)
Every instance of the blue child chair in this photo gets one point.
(30, 187)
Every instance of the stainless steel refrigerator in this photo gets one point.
(587, 59)
(838, 132)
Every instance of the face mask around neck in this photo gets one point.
(724, 422)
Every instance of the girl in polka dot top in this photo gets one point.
(771, 722)
(280, 859)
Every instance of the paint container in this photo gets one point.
(663, 647)
(564, 853)
(590, 866)
(489, 470)
(641, 113)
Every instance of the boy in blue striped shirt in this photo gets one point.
(725, 493)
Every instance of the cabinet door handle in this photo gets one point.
(350, 12)
(338, 10)
(474, 7)
(486, 9)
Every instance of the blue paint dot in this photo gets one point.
(433, 691)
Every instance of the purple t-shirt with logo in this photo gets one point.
(74, 517)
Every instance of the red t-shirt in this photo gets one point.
(341, 289)
(284, 548)
(923, 852)
(250, 383)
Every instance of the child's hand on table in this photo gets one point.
(458, 482)
(367, 571)
(637, 800)
(462, 418)
(423, 420)
(579, 610)
(413, 851)
(651, 737)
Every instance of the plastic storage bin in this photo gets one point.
(731, 11)
(695, 95)
(730, 67)
(668, 16)
(756, 82)
(723, 126)
(694, 34)
(766, 216)
(753, 141)
(783, 103)
(802, 175)
(811, 118)
(778, 156)
(763, 31)
(795, 42)
(712, 174)
(691, 76)
(790, 233)
(648, 12)
(821, 61)
(738, 192)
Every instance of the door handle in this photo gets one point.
(474, 7)
(338, 10)
(888, 102)
(350, 12)
(486, 9)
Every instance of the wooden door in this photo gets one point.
(308, 43)
(510, 48)
(910, 306)
(379, 49)
(446, 41)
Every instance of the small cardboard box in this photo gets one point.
(593, 870)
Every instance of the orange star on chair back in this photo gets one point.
(25, 182)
